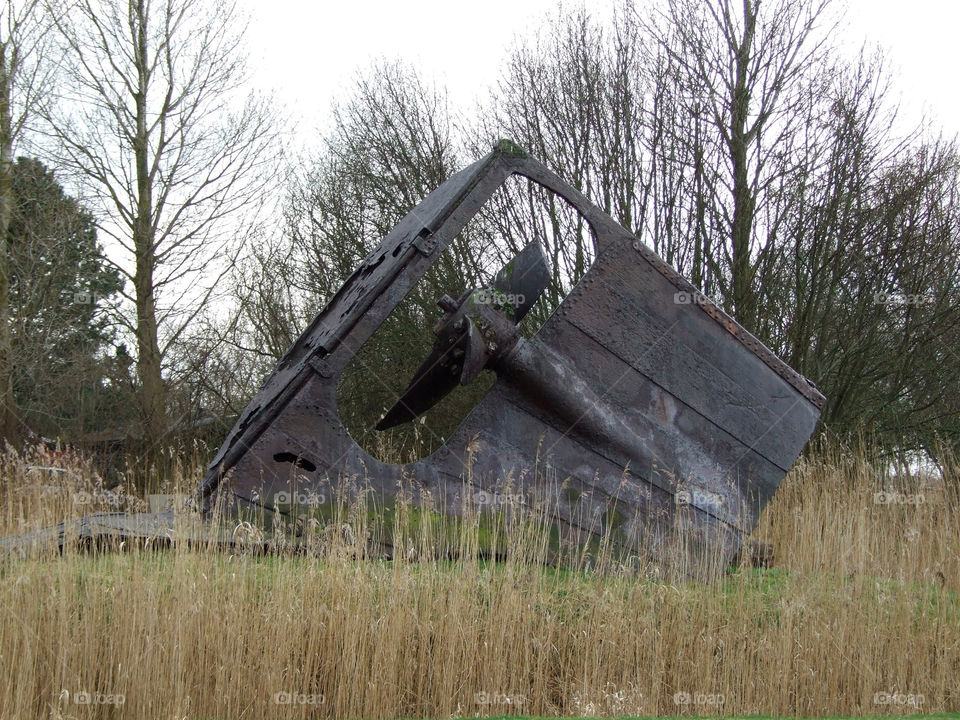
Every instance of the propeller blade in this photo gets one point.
(458, 357)
(475, 355)
(437, 375)
(524, 278)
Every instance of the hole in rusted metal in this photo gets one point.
(295, 460)
(519, 211)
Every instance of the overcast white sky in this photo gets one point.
(308, 51)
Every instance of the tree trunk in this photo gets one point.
(153, 394)
(742, 296)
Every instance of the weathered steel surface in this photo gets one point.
(657, 414)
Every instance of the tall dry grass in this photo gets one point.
(860, 615)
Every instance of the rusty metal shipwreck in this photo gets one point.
(666, 418)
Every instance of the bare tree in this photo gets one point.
(742, 70)
(172, 153)
(24, 77)
(570, 96)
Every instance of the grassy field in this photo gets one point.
(859, 616)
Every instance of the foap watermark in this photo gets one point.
(684, 698)
(686, 297)
(81, 297)
(903, 299)
(311, 499)
(86, 697)
(483, 497)
(291, 697)
(899, 699)
(898, 498)
(698, 498)
(492, 296)
(498, 698)
(99, 497)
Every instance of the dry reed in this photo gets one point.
(859, 615)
